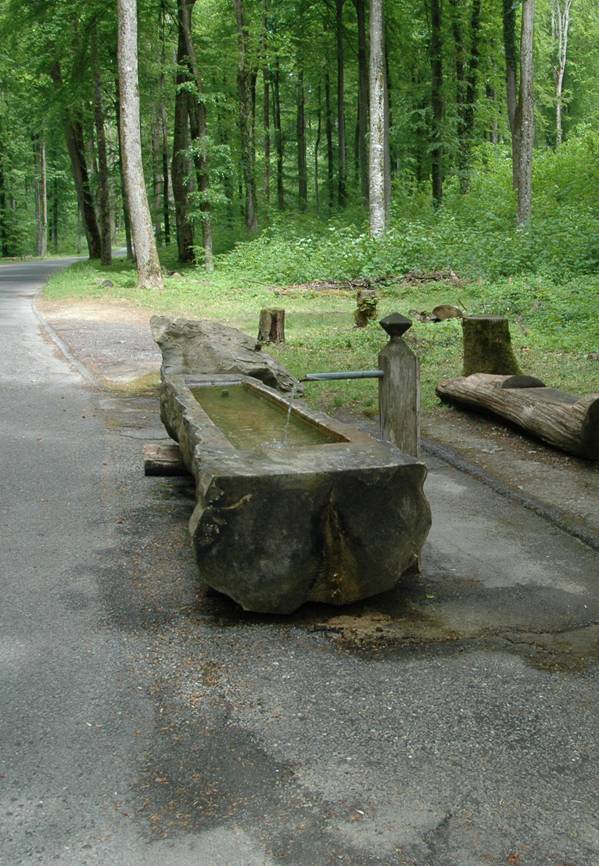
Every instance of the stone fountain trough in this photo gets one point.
(292, 506)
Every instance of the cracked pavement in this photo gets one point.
(145, 722)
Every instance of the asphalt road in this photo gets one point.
(144, 723)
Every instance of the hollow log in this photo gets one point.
(560, 419)
(271, 328)
(488, 346)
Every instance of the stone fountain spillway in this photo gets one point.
(294, 508)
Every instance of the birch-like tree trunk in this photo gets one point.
(526, 113)
(149, 272)
(376, 172)
(560, 28)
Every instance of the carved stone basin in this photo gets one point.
(292, 506)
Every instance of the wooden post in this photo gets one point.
(488, 346)
(271, 328)
(399, 389)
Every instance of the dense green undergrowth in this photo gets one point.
(545, 278)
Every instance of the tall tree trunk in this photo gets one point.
(198, 130)
(511, 81)
(266, 128)
(180, 169)
(362, 127)
(468, 70)
(166, 215)
(378, 210)
(41, 198)
(125, 200)
(329, 136)
(279, 143)
(246, 83)
(55, 206)
(158, 177)
(526, 113)
(103, 174)
(317, 149)
(341, 144)
(149, 273)
(437, 102)
(76, 148)
(163, 129)
(302, 171)
(266, 79)
(560, 28)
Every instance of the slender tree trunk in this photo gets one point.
(526, 111)
(279, 144)
(329, 136)
(158, 191)
(4, 240)
(76, 148)
(378, 210)
(341, 143)
(466, 123)
(180, 170)
(55, 205)
(166, 215)
(362, 127)
(266, 79)
(125, 200)
(246, 83)
(317, 149)
(41, 198)
(387, 122)
(511, 79)
(266, 128)
(103, 173)
(302, 171)
(198, 129)
(437, 102)
(560, 28)
(149, 273)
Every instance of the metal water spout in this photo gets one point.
(399, 385)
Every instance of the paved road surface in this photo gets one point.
(144, 723)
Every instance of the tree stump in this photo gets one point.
(488, 346)
(271, 328)
(366, 302)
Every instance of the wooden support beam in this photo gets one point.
(560, 419)
(163, 460)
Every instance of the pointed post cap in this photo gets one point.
(395, 325)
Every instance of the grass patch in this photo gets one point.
(553, 327)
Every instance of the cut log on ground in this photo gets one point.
(560, 419)
(163, 460)
(488, 346)
(271, 328)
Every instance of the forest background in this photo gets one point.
(255, 130)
